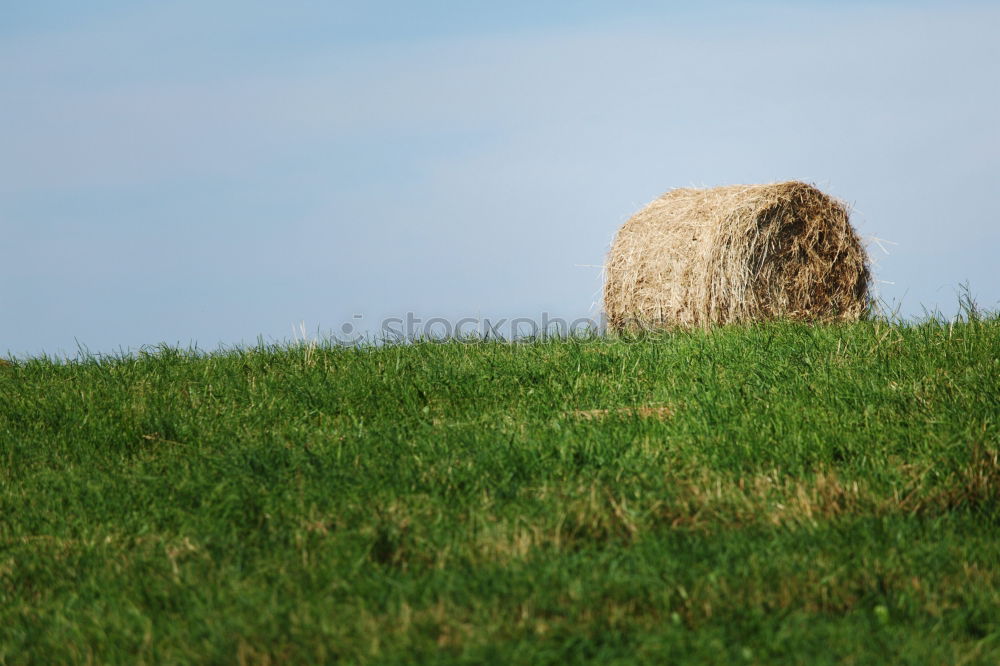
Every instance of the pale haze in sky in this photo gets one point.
(207, 173)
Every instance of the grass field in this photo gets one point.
(785, 493)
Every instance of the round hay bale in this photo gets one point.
(698, 257)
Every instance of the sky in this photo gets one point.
(213, 174)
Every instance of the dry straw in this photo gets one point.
(697, 257)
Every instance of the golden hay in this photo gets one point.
(697, 257)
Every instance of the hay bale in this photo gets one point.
(698, 257)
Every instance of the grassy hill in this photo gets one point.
(752, 494)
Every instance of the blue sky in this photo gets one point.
(210, 172)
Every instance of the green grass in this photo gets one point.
(809, 494)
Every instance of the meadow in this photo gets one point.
(776, 493)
